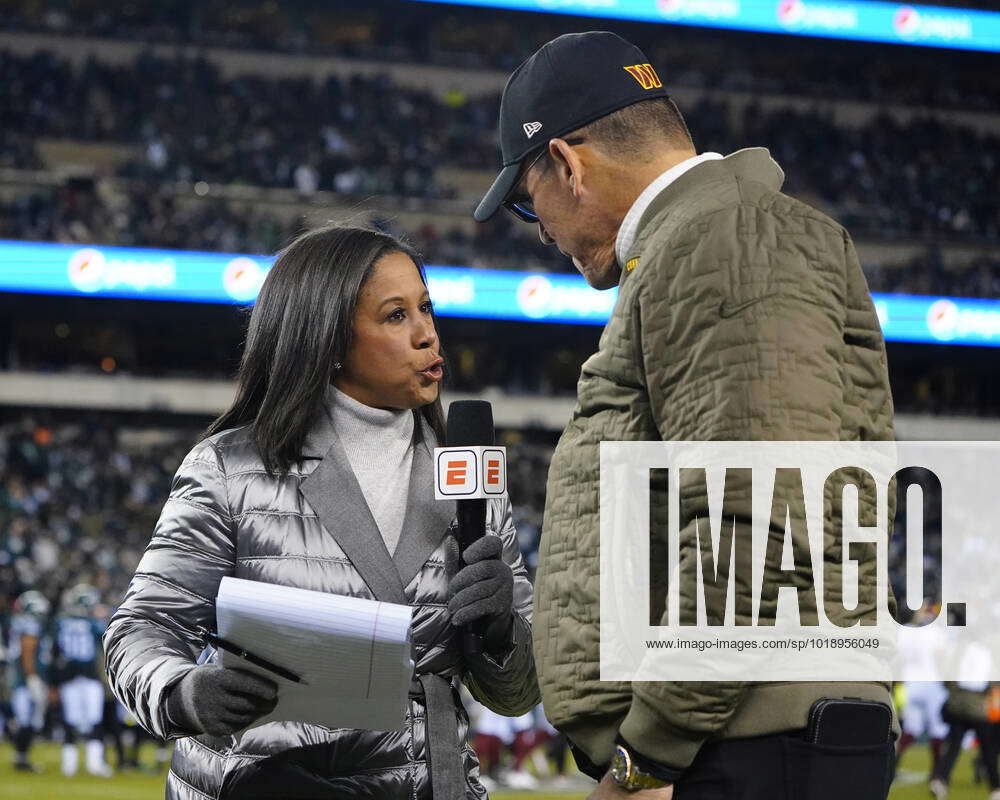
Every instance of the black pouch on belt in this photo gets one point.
(846, 752)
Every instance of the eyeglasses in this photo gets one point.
(524, 207)
(521, 206)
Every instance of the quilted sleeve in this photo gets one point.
(741, 325)
(152, 641)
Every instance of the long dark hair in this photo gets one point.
(299, 327)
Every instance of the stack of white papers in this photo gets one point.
(352, 654)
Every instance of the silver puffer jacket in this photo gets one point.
(312, 529)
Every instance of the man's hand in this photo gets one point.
(607, 789)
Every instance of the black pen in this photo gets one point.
(217, 641)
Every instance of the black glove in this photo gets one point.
(217, 700)
(484, 589)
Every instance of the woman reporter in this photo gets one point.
(320, 476)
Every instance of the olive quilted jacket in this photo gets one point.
(742, 315)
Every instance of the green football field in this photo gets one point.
(911, 783)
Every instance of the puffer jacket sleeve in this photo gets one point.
(152, 641)
(506, 682)
(741, 341)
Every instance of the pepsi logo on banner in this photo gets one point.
(912, 25)
(906, 21)
(112, 269)
(534, 296)
(242, 278)
(942, 320)
(86, 269)
(798, 14)
(790, 12)
(470, 473)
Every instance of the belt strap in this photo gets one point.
(443, 747)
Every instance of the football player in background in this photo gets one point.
(28, 652)
(78, 665)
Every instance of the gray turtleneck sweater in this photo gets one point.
(379, 445)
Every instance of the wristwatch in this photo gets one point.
(628, 776)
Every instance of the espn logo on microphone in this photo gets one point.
(470, 473)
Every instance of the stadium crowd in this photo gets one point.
(359, 136)
(366, 136)
(496, 39)
(363, 138)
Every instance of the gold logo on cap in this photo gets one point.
(631, 264)
(645, 75)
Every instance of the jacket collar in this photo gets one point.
(427, 520)
(748, 164)
(321, 435)
(630, 225)
(335, 495)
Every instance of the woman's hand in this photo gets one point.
(483, 589)
(217, 700)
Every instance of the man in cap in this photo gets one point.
(742, 315)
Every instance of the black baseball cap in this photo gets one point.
(569, 82)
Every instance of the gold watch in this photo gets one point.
(628, 776)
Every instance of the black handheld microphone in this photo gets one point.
(470, 424)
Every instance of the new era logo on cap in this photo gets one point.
(531, 128)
